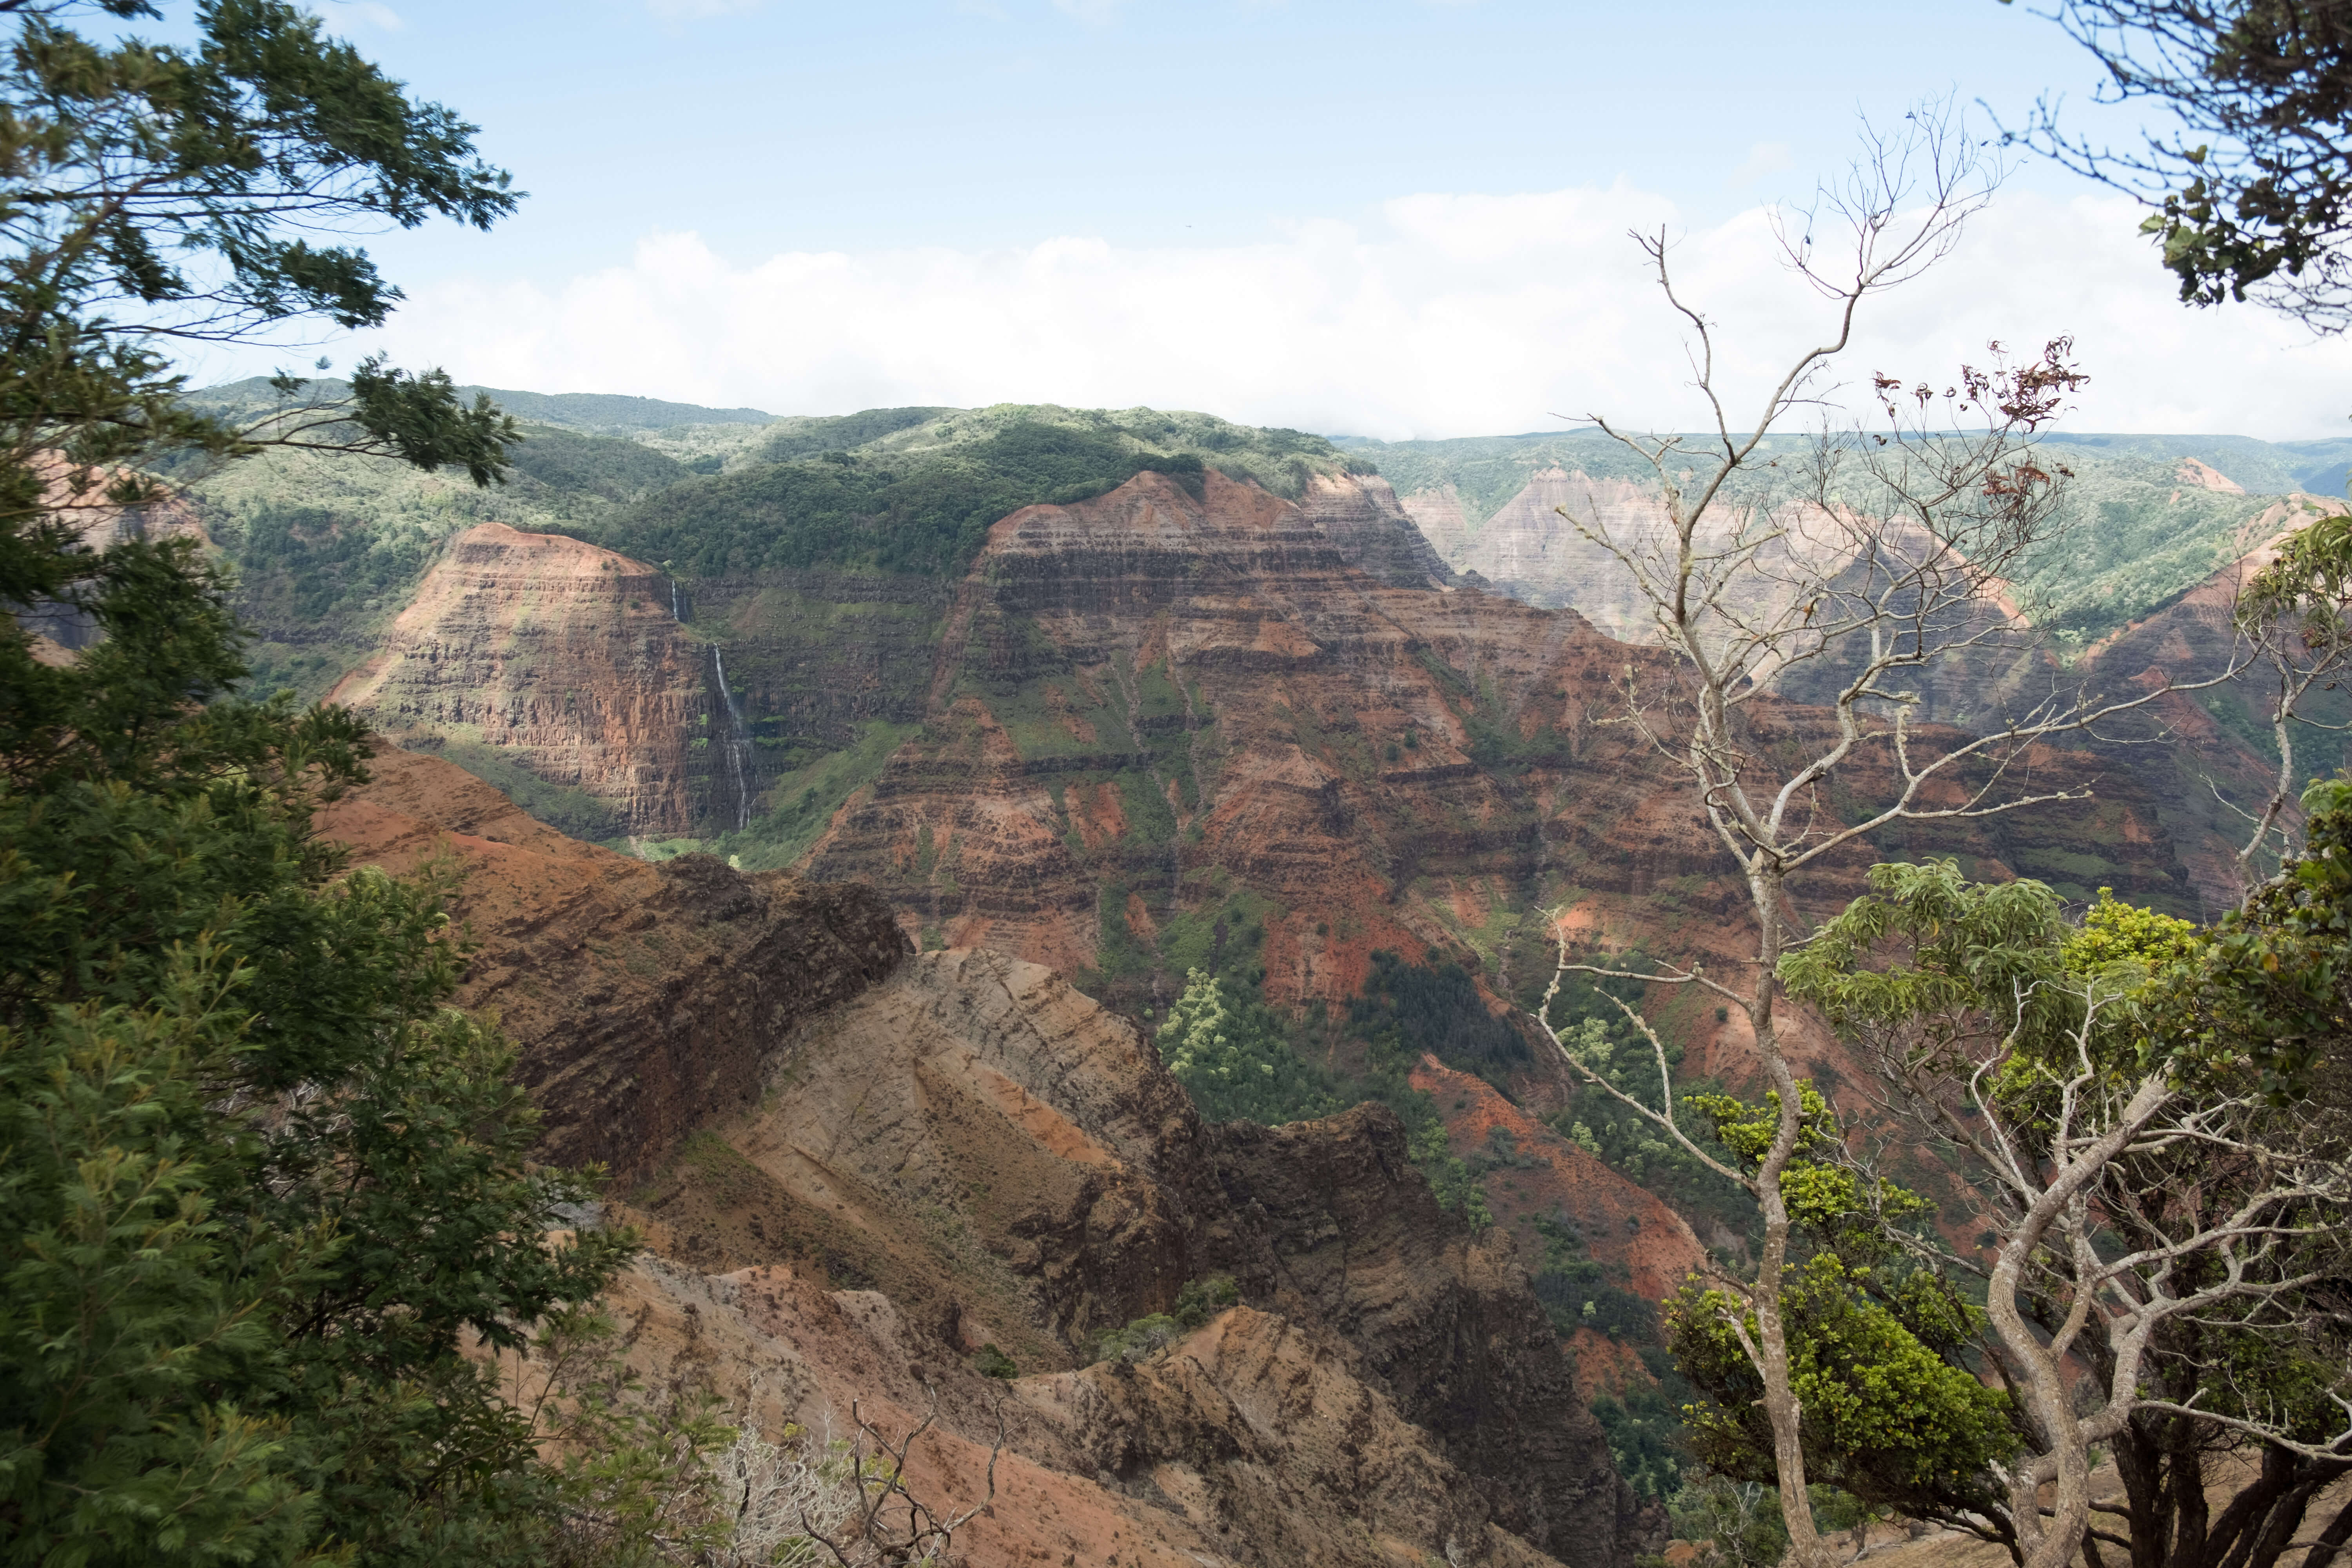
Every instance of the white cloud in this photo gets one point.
(1442, 315)
(1763, 158)
(1093, 12)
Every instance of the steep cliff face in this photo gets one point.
(1362, 516)
(537, 659)
(856, 1167)
(1162, 726)
(650, 998)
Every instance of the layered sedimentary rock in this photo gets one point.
(1364, 520)
(565, 664)
(1150, 703)
(857, 1166)
(651, 997)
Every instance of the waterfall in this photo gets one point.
(737, 741)
(673, 603)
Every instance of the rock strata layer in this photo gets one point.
(538, 655)
(857, 1166)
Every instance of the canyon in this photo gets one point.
(855, 1174)
(893, 870)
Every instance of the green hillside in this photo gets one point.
(329, 550)
(594, 413)
(914, 490)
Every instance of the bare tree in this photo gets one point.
(886, 1524)
(2295, 616)
(1878, 553)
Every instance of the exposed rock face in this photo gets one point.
(814, 654)
(564, 662)
(1446, 1321)
(62, 630)
(1148, 700)
(1362, 516)
(991, 1157)
(650, 999)
(1632, 1225)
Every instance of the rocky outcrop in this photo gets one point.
(856, 1167)
(649, 999)
(539, 657)
(1360, 515)
(1005, 1162)
(1444, 1320)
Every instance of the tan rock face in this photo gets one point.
(648, 999)
(1363, 518)
(564, 662)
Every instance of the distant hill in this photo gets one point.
(326, 550)
(2143, 523)
(595, 412)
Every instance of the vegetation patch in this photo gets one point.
(802, 802)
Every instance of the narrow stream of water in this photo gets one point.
(738, 739)
(737, 742)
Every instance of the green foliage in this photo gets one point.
(605, 466)
(1643, 1427)
(806, 437)
(1578, 1293)
(258, 1182)
(1597, 1032)
(2274, 987)
(914, 490)
(989, 1361)
(1408, 1008)
(1735, 1524)
(1199, 1301)
(1451, 1180)
(803, 801)
(1955, 976)
(156, 191)
(928, 515)
(1232, 1058)
(1204, 1299)
(1890, 1413)
(2246, 201)
(1145, 1336)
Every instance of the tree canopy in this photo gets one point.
(2252, 188)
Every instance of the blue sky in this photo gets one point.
(888, 122)
(1210, 203)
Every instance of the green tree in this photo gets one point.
(153, 195)
(1232, 1058)
(2251, 188)
(1879, 1349)
(2158, 1159)
(258, 1183)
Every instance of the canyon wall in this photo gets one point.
(531, 657)
(855, 1166)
